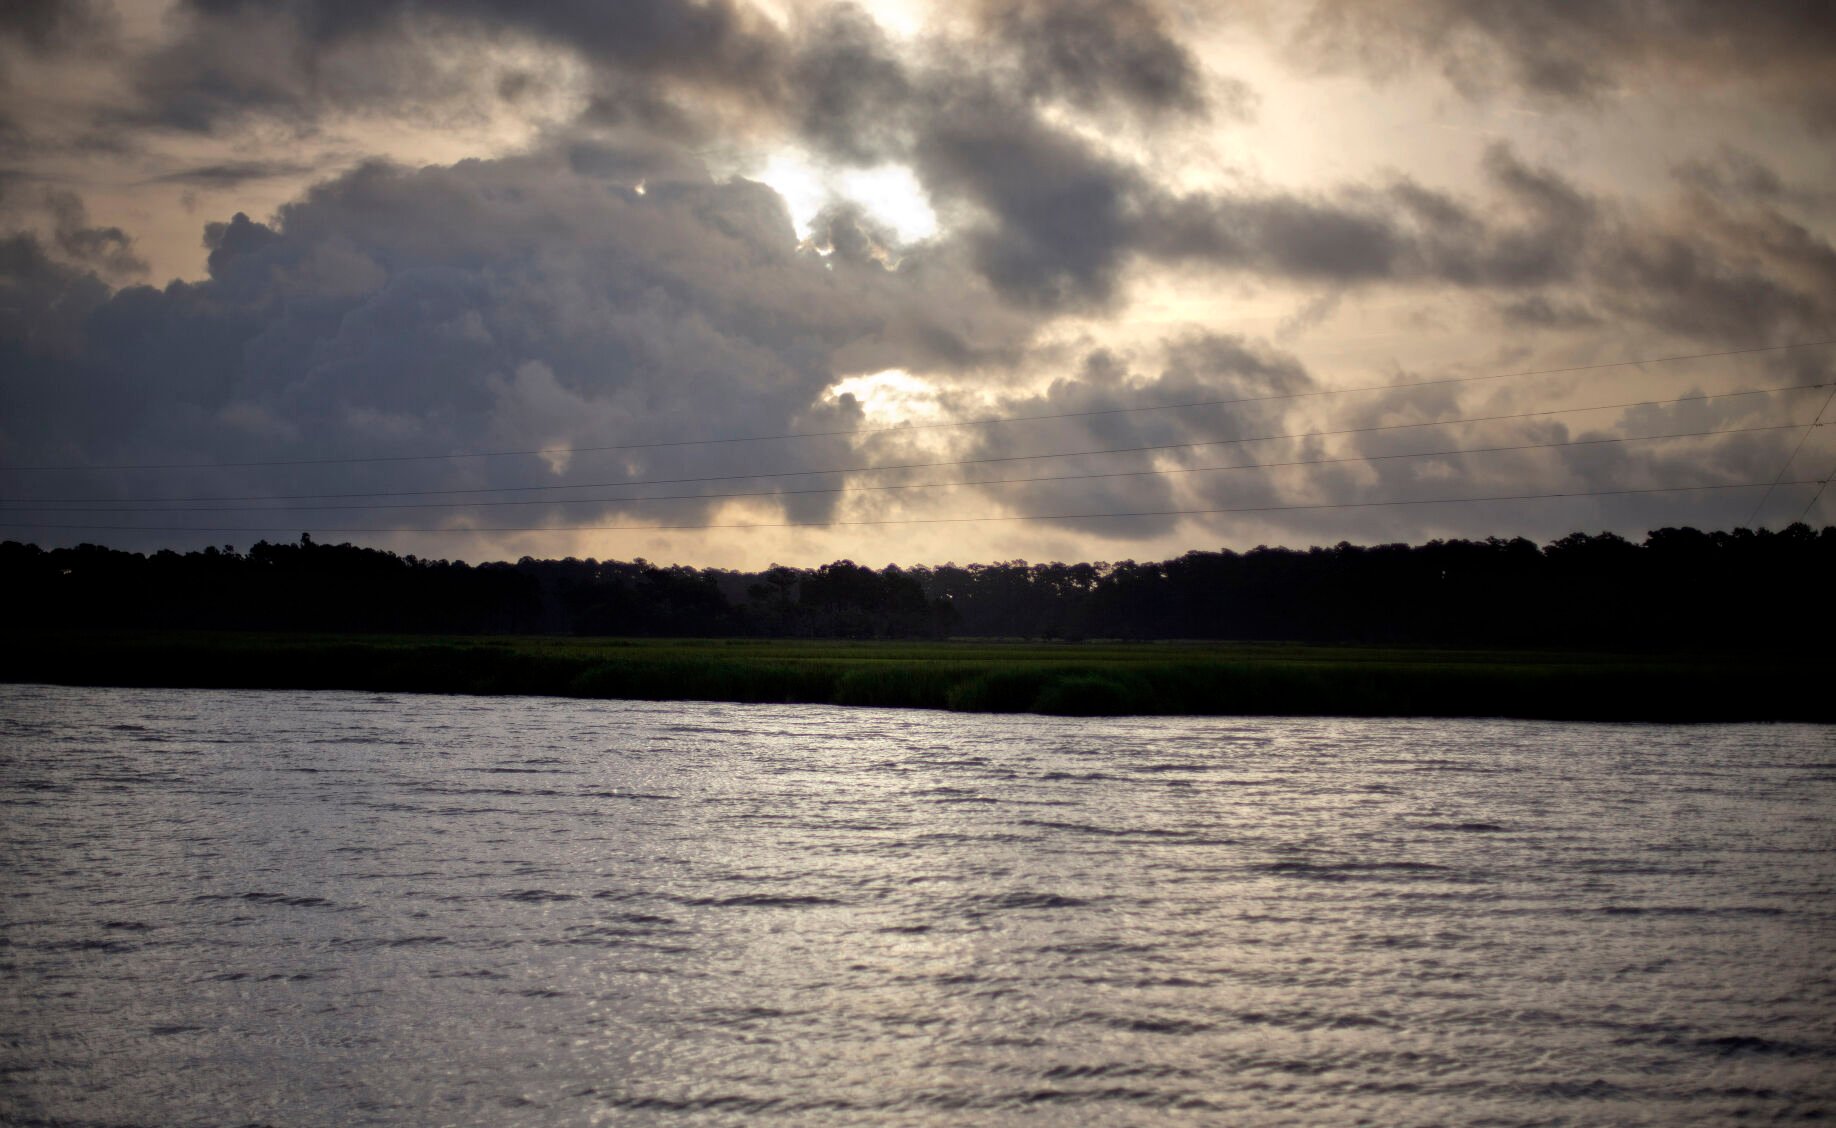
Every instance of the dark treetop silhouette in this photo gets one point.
(1679, 588)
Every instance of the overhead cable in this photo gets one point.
(1815, 422)
(742, 525)
(931, 465)
(1272, 397)
(1159, 471)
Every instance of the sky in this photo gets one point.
(740, 282)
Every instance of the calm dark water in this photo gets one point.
(330, 909)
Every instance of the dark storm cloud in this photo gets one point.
(1289, 235)
(1590, 465)
(1724, 288)
(850, 95)
(1534, 230)
(713, 41)
(297, 58)
(1730, 267)
(54, 246)
(1735, 177)
(229, 63)
(1048, 219)
(545, 300)
(509, 304)
(1052, 220)
(44, 25)
(1731, 261)
(232, 174)
(1405, 445)
(1058, 223)
(1580, 51)
(834, 75)
(1190, 369)
(852, 239)
(1234, 364)
(107, 250)
(1539, 311)
(43, 304)
(1094, 52)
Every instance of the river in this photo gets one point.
(224, 908)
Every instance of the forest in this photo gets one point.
(1678, 588)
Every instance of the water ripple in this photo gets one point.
(324, 909)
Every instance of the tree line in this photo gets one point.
(1680, 587)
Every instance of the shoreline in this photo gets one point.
(1063, 679)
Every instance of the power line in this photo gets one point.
(927, 520)
(912, 485)
(923, 426)
(1805, 512)
(935, 464)
(1793, 456)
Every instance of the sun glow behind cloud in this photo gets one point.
(890, 398)
(889, 194)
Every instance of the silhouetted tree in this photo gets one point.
(1681, 587)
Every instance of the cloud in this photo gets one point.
(297, 60)
(1049, 212)
(585, 280)
(1539, 311)
(542, 301)
(107, 250)
(43, 303)
(832, 75)
(490, 305)
(850, 94)
(53, 244)
(1054, 225)
(231, 63)
(1583, 52)
(1735, 177)
(1091, 409)
(49, 25)
(233, 174)
(1719, 267)
(1093, 53)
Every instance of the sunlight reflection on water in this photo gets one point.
(335, 908)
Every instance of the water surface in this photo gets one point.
(337, 908)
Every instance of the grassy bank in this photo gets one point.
(1069, 679)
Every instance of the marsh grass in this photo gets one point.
(1074, 679)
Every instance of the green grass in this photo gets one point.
(1063, 678)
